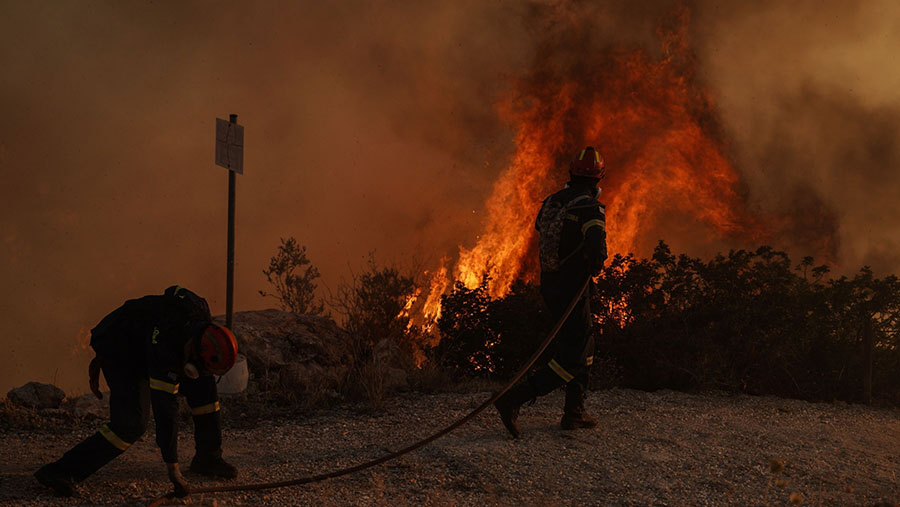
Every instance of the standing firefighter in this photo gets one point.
(150, 349)
(572, 229)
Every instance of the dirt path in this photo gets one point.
(651, 448)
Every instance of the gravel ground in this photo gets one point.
(663, 448)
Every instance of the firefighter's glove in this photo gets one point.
(94, 377)
(181, 485)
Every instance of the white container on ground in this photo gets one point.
(235, 381)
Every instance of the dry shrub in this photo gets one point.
(14, 416)
(372, 384)
(373, 307)
(17, 417)
(292, 388)
(430, 377)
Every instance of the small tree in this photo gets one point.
(295, 292)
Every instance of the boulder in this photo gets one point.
(37, 395)
(387, 353)
(300, 351)
(88, 406)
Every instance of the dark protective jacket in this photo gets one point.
(583, 238)
(146, 338)
(582, 243)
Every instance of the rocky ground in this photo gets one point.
(663, 448)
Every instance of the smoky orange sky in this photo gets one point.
(374, 126)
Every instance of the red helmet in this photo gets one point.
(218, 349)
(589, 164)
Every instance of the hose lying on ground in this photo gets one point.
(421, 443)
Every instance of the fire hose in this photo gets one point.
(421, 443)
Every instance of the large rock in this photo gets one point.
(302, 351)
(88, 406)
(386, 353)
(396, 378)
(37, 395)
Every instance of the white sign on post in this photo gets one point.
(230, 145)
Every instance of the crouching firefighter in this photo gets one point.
(151, 349)
(572, 228)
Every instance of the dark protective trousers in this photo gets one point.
(574, 344)
(129, 409)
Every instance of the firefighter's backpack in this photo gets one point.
(137, 317)
(192, 307)
(111, 334)
(550, 222)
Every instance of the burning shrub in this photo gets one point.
(486, 336)
(464, 329)
(295, 292)
(747, 322)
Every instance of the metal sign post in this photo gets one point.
(230, 154)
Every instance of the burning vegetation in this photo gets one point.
(747, 321)
(656, 125)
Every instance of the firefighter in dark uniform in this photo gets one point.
(150, 350)
(579, 251)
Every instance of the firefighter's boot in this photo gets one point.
(573, 413)
(55, 478)
(508, 405)
(208, 456)
(81, 461)
(213, 466)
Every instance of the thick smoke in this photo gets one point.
(370, 126)
(809, 93)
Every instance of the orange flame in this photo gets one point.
(432, 306)
(657, 131)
